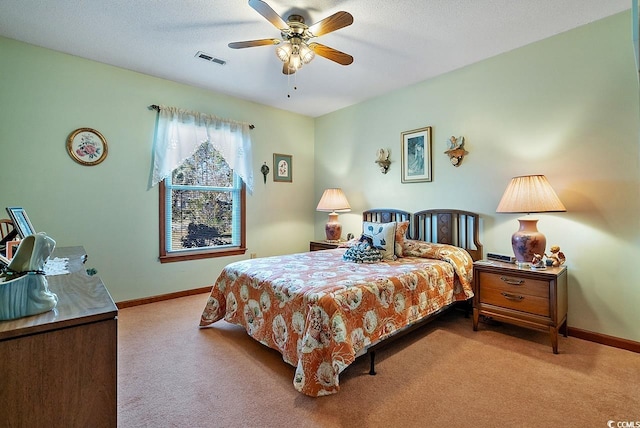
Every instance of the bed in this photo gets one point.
(321, 312)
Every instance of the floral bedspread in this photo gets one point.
(320, 311)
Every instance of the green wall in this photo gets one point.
(566, 107)
(108, 208)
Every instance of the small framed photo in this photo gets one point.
(416, 155)
(87, 146)
(21, 221)
(12, 247)
(282, 168)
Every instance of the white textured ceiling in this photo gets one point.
(394, 43)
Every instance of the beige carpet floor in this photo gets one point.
(171, 373)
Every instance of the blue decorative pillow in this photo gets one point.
(383, 236)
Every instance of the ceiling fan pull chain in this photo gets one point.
(295, 87)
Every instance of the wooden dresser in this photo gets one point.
(59, 368)
(534, 299)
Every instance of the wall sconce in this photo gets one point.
(383, 160)
(264, 170)
(456, 150)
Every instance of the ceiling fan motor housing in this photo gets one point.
(297, 28)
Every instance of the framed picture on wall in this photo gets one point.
(282, 167)
(87, 146)
(21, 221)
(416, 155)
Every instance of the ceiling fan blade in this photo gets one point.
(265, 10)
(252, 43)
(332, 23)
(330, 53)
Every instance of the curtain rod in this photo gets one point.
(157, 108)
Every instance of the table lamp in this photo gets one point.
(333, 201)
(529, 194)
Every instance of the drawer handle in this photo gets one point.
(512, 281)
(512, 297)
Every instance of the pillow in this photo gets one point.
(401, 234)
(383, 236)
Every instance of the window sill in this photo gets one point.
(197, 255)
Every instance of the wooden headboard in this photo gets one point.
(454, 227)
(384, 215)
(443, 226)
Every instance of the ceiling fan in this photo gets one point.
(294, 49)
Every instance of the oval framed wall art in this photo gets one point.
(87, 146)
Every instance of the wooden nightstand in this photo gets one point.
(535, 299)
(322, 245)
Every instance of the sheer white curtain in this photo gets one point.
(181, 132)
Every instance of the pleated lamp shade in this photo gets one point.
(530, 194)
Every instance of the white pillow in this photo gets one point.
(383, 236)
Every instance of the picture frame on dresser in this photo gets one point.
(21, 221)
(416, 155)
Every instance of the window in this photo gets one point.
(202, 209)
(202, 198)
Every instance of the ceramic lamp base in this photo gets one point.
(527, 241)
(333, 229)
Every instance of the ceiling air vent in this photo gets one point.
(210, 58)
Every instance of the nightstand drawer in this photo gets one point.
(512, 284)
(515, 300)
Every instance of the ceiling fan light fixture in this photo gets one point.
(290, 68)
(306, 54)
(284, 51)
(295, 62)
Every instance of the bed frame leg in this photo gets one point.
(372, 358)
